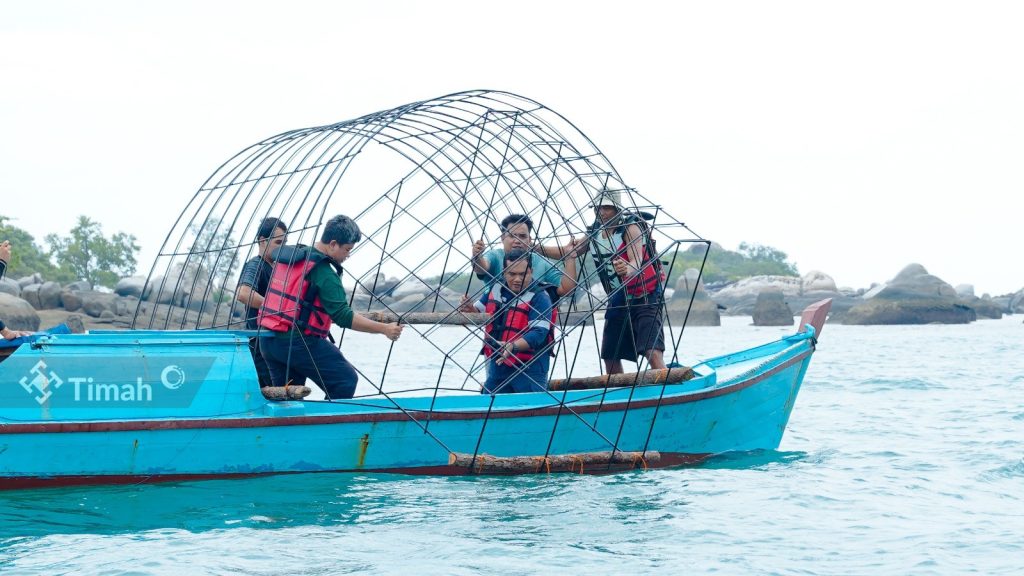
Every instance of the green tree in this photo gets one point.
(728, 266)
(89, 255)
(26, 257)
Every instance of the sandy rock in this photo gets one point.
(182, 285)
(703, 312)
(49, 295)
(984, 307)
(771, 310)
(913, 297)
(740, 297)
(965, 290)
(8, 286)
(30, 294)
(817, 281)
(95, 303)
(130, 286)
(70, 300)
(17, 313)
(78, 286)
(36, 278)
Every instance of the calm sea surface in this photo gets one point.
(904, 454)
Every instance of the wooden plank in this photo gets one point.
(445, 318)
(645, 378)
(578, 463)
(285, 392)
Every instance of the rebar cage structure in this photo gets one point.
(432, 177)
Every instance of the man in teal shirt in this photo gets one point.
(517, 234)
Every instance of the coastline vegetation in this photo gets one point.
(84, 254)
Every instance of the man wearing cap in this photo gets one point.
(631, 275)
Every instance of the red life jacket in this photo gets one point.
(647, 280)
(290, 301)
(510, 324)
(650, 276)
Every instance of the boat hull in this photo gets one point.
(681, 423)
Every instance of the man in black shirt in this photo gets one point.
(252, 285)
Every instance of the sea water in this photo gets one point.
(904, 455)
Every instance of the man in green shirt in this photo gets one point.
(304, 297)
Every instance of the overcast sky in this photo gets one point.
(856, 137)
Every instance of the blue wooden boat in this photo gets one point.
(177, 397)
(143, 406)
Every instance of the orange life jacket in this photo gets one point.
(291, 300)
(509, 323)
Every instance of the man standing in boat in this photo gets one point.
(517, 234)
(252, 285)
(518, 338)
(304, 296)
(631, 274)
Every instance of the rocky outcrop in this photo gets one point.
(913, 297)
(180, 287)
(740, 298)
(95, 303)
(704, 311)
(70, 300)
(965, 290)
(36, 278)
(131, 286)
(984, 307)
(1016, 305)
(30, 294)
(379, 287)
(78, 286)
(49, 295)
(8, 286)
(17, 313)
(817, 281)
(771, 310)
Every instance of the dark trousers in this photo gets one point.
(294, 358)
(262, 371)
(508, 379)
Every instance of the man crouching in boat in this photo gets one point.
(305, 294)
(517, 339)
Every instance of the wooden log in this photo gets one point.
(578, 463)
(445, 318)
(646, 378)
(285, 392)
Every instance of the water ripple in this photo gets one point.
(898, 459)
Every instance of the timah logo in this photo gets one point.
(41, 383)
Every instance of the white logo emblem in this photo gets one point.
(42, 383)
(172, 377)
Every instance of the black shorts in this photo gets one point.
(634, 328)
